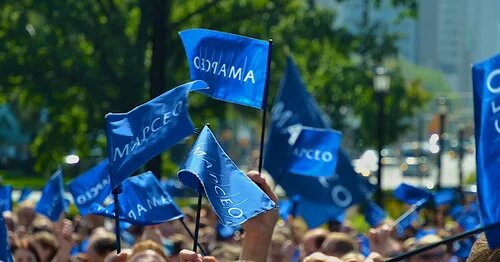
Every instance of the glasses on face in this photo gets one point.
(430, 256)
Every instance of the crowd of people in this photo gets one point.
(265, 237)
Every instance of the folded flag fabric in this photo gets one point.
(25, 194)
(233, 196)
(235, 67)
(445, 196)
(411, 195)
(142, 202)
(90, 187)
(5, 251)
(289, 207)
(5, 198)
(148, 130)
(486, 92)
(374, 214)
(314, 152)
(52, 203)
(294, 109)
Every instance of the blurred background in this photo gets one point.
(65, 64)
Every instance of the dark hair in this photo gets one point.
(319, 241)
(25, 244)
(104, 245)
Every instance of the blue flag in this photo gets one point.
(176, 189)
(52, 203)
(5, 252)
(234, 67)
(315, 214)
(486, 82)
(25, 194)
(142, 202)
(294, 109)
(410, 195)
(364, 245)
(289, 207)
(226, 232)
(467, 217)
(90, 187)
(374, 214)
(445, 196)
(148, 130)
(314, 153)
(233, 196)
(410, 218)
(5, 198)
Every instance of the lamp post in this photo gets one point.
(381, 84)
(443, 110)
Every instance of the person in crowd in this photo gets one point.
(482, 253)
(262, 238)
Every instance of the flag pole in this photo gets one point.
(116, 192)
(198, 214)
(442, 242)
(198, 211)
(405, 215)
(203, 252)
(264, 105)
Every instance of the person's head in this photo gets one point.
(276, 249)
(26, 214)
(179, 242)
(312, 240)
(338, 244)
(227, 252)
(42, 224)
(100, 244)
(353, 257)
(437, 254)
(23, 251)
(481, 251)
(46, 245)
(147, 250)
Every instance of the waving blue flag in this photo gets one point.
(5, 252)
(289, 207)
(142, 202)
(52, 202)
(410, 216)
(467, 217)
(410, 195)
(294, 109)
(314, 153)
(374, 214)
(445, 196)
(315, 214)
(148, 130)
(234, 66)
(233, 196)
(25, 194)
(486, 82)
(5, 198)
(90, 187)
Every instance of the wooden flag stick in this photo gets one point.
(264, 106)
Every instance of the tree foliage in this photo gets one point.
(77, 60)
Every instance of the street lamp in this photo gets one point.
(381, 84)
(443, 110)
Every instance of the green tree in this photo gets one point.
(78, 60)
